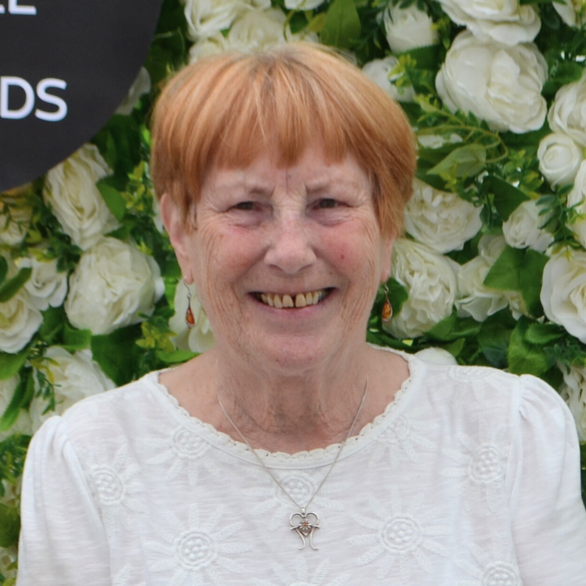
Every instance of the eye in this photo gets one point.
(326, 203)
(245, 206)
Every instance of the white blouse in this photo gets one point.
(471, 477)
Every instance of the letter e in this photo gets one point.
(61, 111)
(22, 112)
(14, 8)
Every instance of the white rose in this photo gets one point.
(378, 70)
(573, 392)
(74, 377)
(523, 228)
(430, 280)
(209, 46)
(199, 338)
(509, 22)
(257, 30)
(15, 215)
(19, 320)
(70, 190)
(475, 299)
(563, 293)
(499, 84)
(23, 424)
(112, 285)
(46, 285)
(436, 356)
(140, 86)
(205, 18)
(442, 220)
(559, 158)
(577, 200)
(573, 12)
(408, 28)
(568, 111)
(302, 4)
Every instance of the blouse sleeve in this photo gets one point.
(62, 537)
(549, 520)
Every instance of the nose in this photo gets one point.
(290, 245)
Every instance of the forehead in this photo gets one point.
(313, 171)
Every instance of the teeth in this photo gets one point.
(298, 300)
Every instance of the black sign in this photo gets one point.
(65, 65)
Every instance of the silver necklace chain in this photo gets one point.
(303, 523)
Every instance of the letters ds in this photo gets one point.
(7, 82)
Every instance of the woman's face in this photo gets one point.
(268, 237)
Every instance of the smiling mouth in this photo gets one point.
(294, 300)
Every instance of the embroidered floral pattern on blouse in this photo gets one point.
(117, 487)
(473, 378)
(183, 450)
(195, 551)
(401, 536)
(496, 569)
(124, 578)
(481, 466)
(301, 486)
(303, 576)
(402, 439)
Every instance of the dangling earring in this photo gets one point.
(387, 311)
(189, 317)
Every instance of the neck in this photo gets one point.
(283, 412)
(291, 412)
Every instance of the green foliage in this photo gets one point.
(341, 26)
(12, 456)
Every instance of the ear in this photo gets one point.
(178, 234)
(386, 254)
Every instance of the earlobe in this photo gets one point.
(173, 222)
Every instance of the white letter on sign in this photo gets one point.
(14, 8)
(61, 111)
(23, 111)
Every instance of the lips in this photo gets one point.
(293, 300)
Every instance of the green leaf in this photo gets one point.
(10, 364)
(524, 357)
(3, 269)
(495, 336)
(316, 24)
(341, 27)
(452, 327)
(113, 199)
(505, 273)
(427, 57)
(397, 294)
(11, 287)
(176, 357)
(115, 353)
(52, 326)
(541, 334)
(74, 339)
(507, 197)
(22, 396)
(466, 161)
(531, 278)
(9, 525)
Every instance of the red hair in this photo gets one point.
(227, 109)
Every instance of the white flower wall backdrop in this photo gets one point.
(491, 269)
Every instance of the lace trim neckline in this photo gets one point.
(317, 456)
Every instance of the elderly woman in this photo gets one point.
(294, 452)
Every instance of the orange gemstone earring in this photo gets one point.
(387, 312)
(189, 317)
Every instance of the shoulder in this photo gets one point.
(111, 416)
(475, 395)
